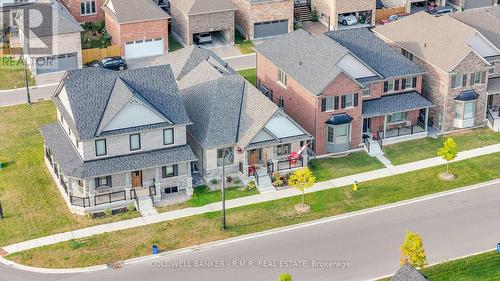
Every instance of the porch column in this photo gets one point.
(426, 118)
(385, 125)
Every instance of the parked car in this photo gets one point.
(114, 63)
(203, 38)
(440, 11)
(348, 19)
(394, 17)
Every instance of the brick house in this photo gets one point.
(329, 11)
(141, 34)
(85, 10)
(264, 18)
(191, 17)
(345, 87)
(457, 59)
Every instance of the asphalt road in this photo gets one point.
(451, 226)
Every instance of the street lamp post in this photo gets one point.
(28, 96)
(226, 154)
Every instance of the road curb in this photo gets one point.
(255, 235)
(31, 88)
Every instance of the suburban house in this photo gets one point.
(345, 87)
(231, 116)
(54, 44)
(85, 10)
(487, 22)
(192, 17)
(457, 60)
(118, 140)
(329, 12)
(471, 4)
(139, 26)
(264, 18)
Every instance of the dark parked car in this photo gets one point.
(440, 11)
(114, 63)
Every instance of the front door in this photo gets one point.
(366, 125)
(254, 157)
(137, 179)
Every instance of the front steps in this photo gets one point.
(145, 206)
(302, 12)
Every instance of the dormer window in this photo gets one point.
(168, 136)
(100, 148)
(135, 142)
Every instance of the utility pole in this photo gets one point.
(26, 81)
(225, 155)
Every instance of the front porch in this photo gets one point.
(493, 104)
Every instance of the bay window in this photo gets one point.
(465, 110)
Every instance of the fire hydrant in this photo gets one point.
(355, 186)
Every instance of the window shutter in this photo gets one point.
(342, 105)
(403, 84)
(96, 182)
(163, 172)
(356, 95)
(483, 77)
(414, 82)
(108, 178)
(336, 102)
(323, 104)
(472, 79)
(386, 86)
(464, 80)
(396, 85)
(176, 170)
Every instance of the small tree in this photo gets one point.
(448, 151)
(412, 250)
(285, 277)
(302, 179)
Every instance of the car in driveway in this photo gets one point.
(113, 63)
(348, 19)
(394, 17)
(441, 11)
(203, 38)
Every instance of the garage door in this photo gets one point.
(471, 4)
(144, 48)
(270, 28)
(56, 63)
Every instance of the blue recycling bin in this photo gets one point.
(498, 247)
(155, 249)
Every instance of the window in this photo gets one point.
(366, 92)
(465, 110)
(169, 171)
(478, 78)
(329, 103)
(171, 189)
(407, 54)
(103, 181)
(406, 83)
(464, 80)
(491, 70)
(135, 142)
(397, 117)
(220, 156)
(100, 148)
(281, 102)
(388, 86)
(69, 132)
(341, 131)
(168, 136)
(283, 149)
(329, 134)
(456, 80)
(349, 100)
(77, 144)
(62, 119)
(87, 8)
(282, 77)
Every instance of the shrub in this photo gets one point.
(285, 277)
(314, 15)
(213, 181)
(108, 212)
(251, 185)
(237, 181)
(131, 207)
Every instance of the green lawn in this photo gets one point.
(32, 204)
(354, 163)
(411, 151)
(250, 74)
(245, 46)
(257, 217)
(12, 74)
(203, 196)
(482, 267)
(173, 44)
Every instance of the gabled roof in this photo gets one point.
(309, 59)
(389, 104)
(486, 21)
(408, 273)
(51, 19)
(440, 41)
(90, 92)
(375, 52)
(193, 7)
(127, 11)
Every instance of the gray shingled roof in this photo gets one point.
(494, 85)
(394, 103)
(486, 21)
(309, 59)
(89, 90)
(408, 273)
(51, 19)
(193, 7)
(72, 165)
(376, 53)
(126, 11)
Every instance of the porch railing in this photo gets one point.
(290, 164)
(79, 201)
(256, 175)
(63, 184)
(403, 131)
(110, 198)
(491, 118)
(366, 141)
(152, 192)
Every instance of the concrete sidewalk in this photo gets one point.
(243, 201)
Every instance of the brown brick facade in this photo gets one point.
(74, 8)
(249, 14)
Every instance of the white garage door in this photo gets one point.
(473, 4)
(144, 48)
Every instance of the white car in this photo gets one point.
(203, 38)
(348, 19)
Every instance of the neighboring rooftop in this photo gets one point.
(194, 7)
(126, 11)
(87, 104)
(53, 18)
(440, 41)
(494, 85)
(486, 21)
(375, 52)
(408, 273)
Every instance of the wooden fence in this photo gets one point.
(89, 55)
(382, 14)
